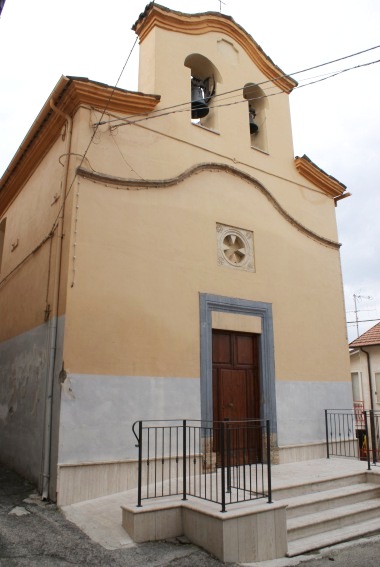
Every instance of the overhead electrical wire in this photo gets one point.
(238, 90)
(361, 321)
(92, 137)
(55, 224)
(126, 121)
(175, 110)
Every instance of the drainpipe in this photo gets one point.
(369, 376)
(372, 418)
(53, 321)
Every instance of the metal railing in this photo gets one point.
(223, 462)
(353, 433)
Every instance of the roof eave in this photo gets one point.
(68, 95)
(368, 344)
(326, 183)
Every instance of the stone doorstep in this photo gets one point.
(318, 501)
(318, 485)
(254, 531)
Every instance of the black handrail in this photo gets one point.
(222, 462)
(353, 433)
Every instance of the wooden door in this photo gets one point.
(236, 393)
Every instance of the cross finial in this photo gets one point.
(220, 5)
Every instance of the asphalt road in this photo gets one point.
(36, 534)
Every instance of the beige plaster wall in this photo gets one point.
(30, 267)
(162, 70)
(166, 146)
(127, 239)
(143, 256)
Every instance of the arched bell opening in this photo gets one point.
(204, 78)
(257, 115)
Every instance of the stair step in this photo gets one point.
(332, 519)
(326, 539)
(316, 502)
(317, 486)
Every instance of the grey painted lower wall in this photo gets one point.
(23, 370)
(300, 409)
(97, 412)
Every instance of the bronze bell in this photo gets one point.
(253, 127)
(199, 108)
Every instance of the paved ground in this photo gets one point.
(35, 533)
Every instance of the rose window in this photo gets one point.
(234, 249)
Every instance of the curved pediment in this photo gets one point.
(123, 183)
(197, 24)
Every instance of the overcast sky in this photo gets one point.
(335, 122)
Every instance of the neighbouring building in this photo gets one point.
(165, 259)
(365, 368)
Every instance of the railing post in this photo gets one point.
(327, 434)
(228, 442)
(373, 437)
(223, 466)
(184, 456)
(367, 440)
(139, 473)
(269, 471)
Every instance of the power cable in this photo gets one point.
(128, 121)
(92, 137)
(361, 321)
(55, 224)
(339, 73)
(258, 84)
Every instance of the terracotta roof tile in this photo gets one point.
(370, 337)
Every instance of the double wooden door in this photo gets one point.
(236, 394)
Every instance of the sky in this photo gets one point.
(335, 121)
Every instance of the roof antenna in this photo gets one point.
(356, 299)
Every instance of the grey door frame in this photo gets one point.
(210, 303)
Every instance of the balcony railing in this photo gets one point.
(223, 462)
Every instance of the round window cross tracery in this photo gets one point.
(234, 249)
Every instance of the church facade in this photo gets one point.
(165, 256)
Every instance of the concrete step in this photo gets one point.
(312, 487)
(343, 496)
(332, 519)
(326, 539)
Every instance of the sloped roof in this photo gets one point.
(370, 337)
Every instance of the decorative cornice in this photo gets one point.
(320, 178)
(123, 183)
(198, 24)
(68, 95)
